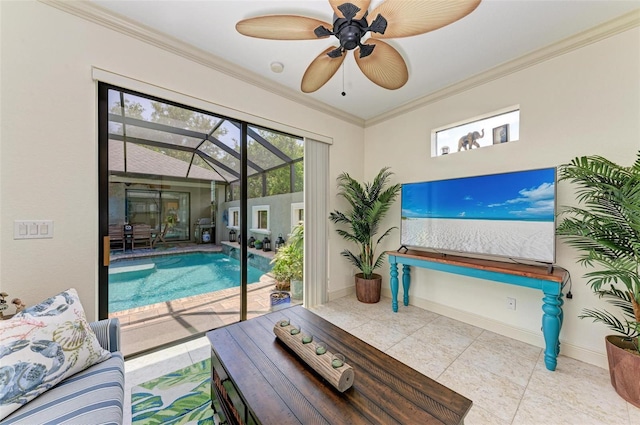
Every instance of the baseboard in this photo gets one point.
(524, 335)
(342, 293)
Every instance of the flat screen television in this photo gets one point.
(507, 215)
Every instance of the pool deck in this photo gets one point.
(145, 328)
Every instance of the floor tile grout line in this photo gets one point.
(526, 387)
(458, 356)
(520, 400)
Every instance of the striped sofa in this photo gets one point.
(93, 396)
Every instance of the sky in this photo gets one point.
(524, 195)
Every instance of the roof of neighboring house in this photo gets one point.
(154, 137)
(143, 160)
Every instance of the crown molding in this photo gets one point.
(577, 41)
(105, 18)
(93, 13)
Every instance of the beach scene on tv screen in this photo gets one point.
(508, 215)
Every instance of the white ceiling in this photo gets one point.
(496, 32)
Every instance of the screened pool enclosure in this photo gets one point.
(177, 170)
(176, 179)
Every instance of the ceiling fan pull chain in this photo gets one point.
(343, 92)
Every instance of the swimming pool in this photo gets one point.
(139, 282)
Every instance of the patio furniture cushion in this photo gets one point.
(41, 346)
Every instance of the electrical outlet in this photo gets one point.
(511, 303)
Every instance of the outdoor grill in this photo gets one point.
(203, 226)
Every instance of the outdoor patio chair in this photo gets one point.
(116, 237)
(141, 236)
(159, 237)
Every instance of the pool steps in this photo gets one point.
(139, 266)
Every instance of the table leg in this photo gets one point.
(394, 286)
(561, 319)
(406, 280)
(551, 324)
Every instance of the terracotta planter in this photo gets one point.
(283, 285)
(624, 369)
(368, 290)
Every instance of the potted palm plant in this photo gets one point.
(605, 229)
(368, 205)
(295, 246)
(288, 262)
(282, 274)
(282, 270)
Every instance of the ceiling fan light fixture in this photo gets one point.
(277, 67)
(381, 63)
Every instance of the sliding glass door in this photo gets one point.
(192, 206)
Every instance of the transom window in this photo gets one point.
(492, 129)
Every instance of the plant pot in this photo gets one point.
(279, 299)
(283, 285)
(368, 290)
(296, 289)
(624, 368)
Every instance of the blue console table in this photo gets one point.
(536, 277)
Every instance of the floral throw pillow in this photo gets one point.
(41, 346)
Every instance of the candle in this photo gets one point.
(337, 360)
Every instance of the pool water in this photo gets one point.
(139, 282)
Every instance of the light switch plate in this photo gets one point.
(32, 229)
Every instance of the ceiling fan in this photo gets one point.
(380, 63)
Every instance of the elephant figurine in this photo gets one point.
(468, 141)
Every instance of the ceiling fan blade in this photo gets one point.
(408, 18)
(281, 27)
(384, 66)
(362, 4)
(320, 71)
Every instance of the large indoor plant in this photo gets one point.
(368, 205)
(605, 229)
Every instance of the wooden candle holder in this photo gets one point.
(340, 377)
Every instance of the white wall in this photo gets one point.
(581, 103)
(584, 102)
(49, 163)
(279, 214)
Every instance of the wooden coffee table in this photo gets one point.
(258, 379)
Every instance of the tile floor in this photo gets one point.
(506, 379)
